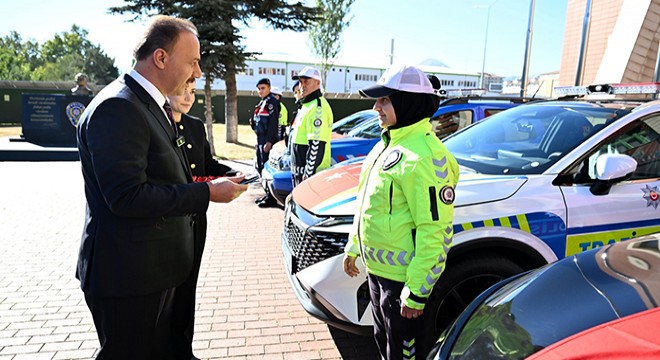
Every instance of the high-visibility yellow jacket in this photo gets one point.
(310, 136)
(403, 222)
(284, 115)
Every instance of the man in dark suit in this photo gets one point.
(137, 242)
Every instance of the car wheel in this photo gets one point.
(460, 283)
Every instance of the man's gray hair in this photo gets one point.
(162, 33)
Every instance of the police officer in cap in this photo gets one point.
(265, 123)
(309, 139)
(403, 225)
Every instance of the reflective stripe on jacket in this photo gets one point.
(403, 223)
(311, 127)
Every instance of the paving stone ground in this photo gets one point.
(246, 309)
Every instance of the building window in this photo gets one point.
(247, 72)
(365, 77)
(271, 71)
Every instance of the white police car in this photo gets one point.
(538, 182)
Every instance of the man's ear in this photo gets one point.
(160, 58)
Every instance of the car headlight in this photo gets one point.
(274, 155)
(285, 162)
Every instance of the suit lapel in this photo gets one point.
(162, 120)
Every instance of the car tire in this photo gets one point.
(459, 284)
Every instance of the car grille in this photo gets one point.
(312, 247)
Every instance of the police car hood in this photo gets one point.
(333, 192)
(349, 147)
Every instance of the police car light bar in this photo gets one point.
(641, 88)
(462, 92)
(609, 89)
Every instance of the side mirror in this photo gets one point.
(610, 169)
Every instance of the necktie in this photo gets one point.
(170, 117)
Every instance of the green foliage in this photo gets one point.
(218, 23)
(58, 59)
(325, 34)
(64, 68)
(17, 58)
(99, 66)
(64, 44)
(71, 52)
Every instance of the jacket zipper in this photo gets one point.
(387, 134)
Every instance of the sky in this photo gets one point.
(454, 32)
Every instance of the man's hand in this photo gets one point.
(267, 146)
(224, 190)
(409, 313)
(349, 266)
(236, 178)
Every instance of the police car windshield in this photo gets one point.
(368, 129)
(348, 123)
(528, 139)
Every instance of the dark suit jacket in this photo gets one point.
(139, 225)
(198, 149)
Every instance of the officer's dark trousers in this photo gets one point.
(262, 156)
(395, 335)
(183, 312)
(137, 327)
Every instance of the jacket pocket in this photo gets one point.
(161, 229)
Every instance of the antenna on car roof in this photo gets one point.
(537, 89)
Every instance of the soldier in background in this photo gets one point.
(81, 87)
(265, 123)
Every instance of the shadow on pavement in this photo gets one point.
(354, 347)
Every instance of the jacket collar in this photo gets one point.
(313, 96)
(396, 136)
(159, 114)
(148, 87)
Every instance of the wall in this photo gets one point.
(341, 107)
(342, 104)
(11, 105)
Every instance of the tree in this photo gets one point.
(222, 54)
(64, 68)
(58, 59)
(100, 67)
(18, 59)
(69, 53)
(325, 35)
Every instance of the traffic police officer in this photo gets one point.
(284, 113)
(264, 123)
(311, 129)
(403, 224)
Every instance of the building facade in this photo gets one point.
(621, 46)
(340, 78)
